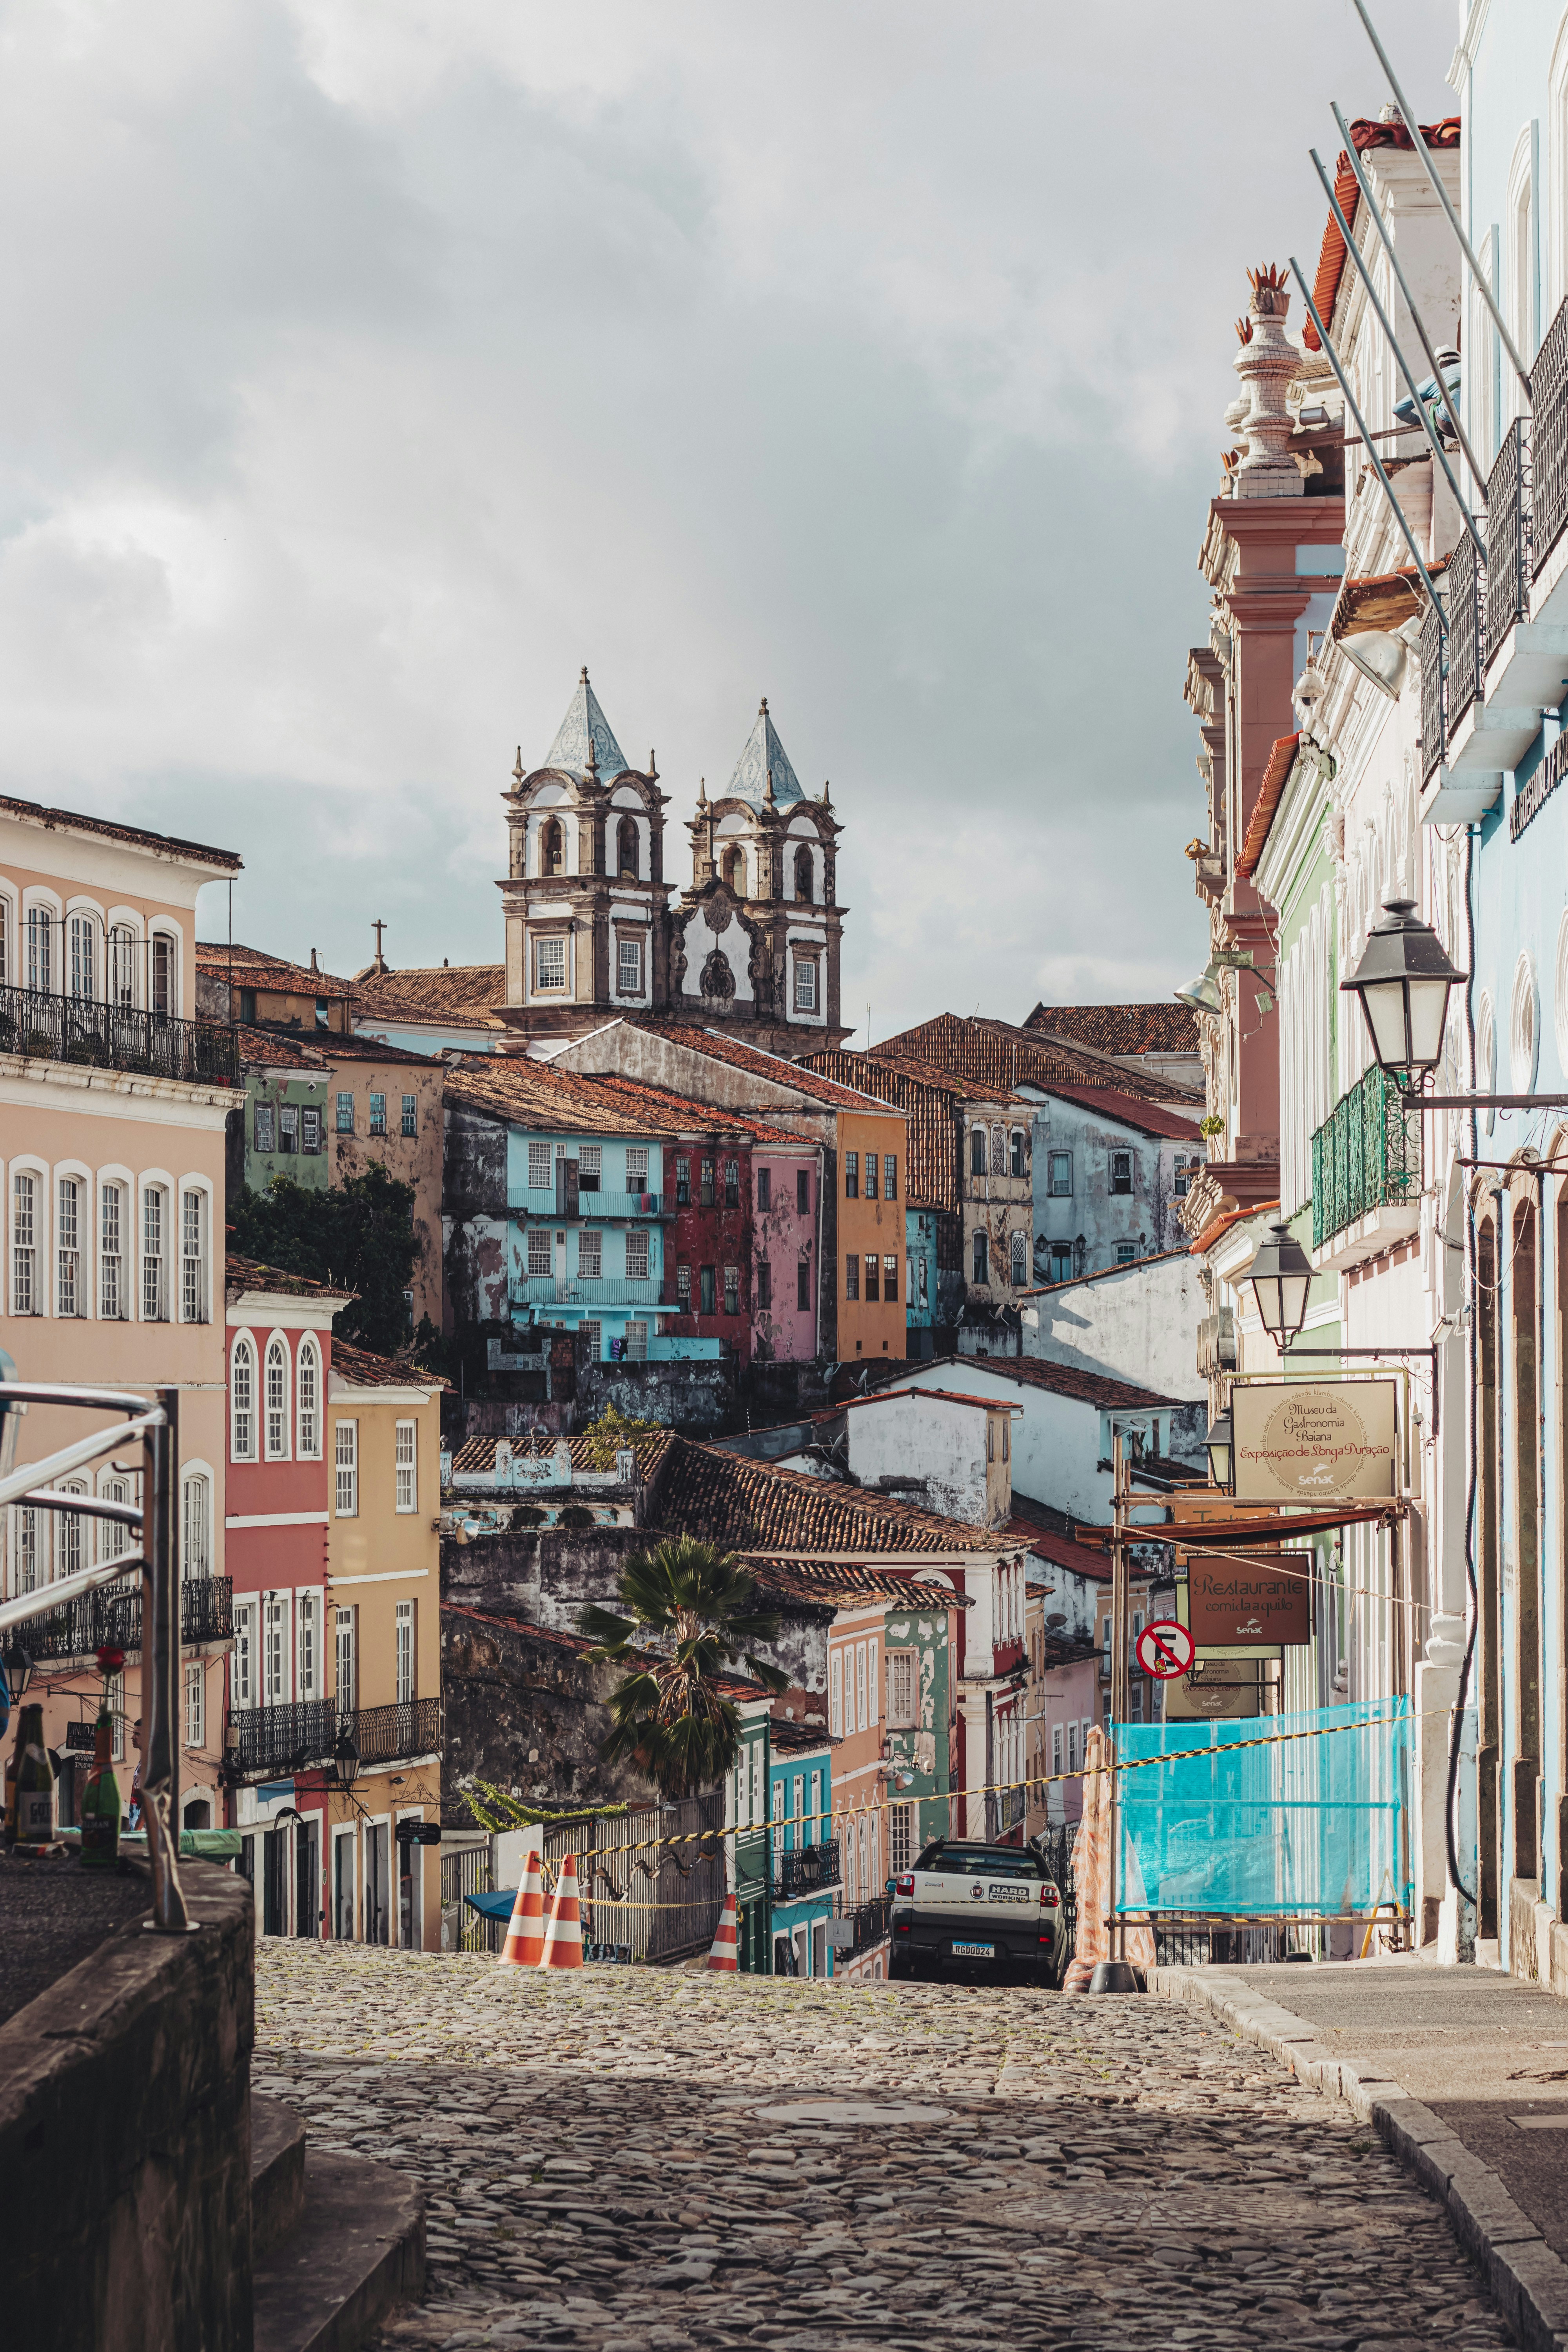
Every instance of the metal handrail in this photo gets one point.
(86, 1449)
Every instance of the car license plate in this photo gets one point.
(974, 1951)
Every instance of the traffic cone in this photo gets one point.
(564, 1936)
(724, 1953)
(525, 1935)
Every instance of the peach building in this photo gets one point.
(113, 1102)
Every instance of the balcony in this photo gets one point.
(1366, 1173)
(389, 1735)
(1004, 1810)
(273, 1743)
(870, 1925)
(115, 1037)
(806, 1869)
(113, 1616)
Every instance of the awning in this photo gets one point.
(1220, 1535)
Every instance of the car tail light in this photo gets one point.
(906, 1885)
(1048, 1895)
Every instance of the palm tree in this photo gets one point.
(694, 1607)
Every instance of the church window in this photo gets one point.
(802, 889)
(852, 1175)
(977, 1152)
(627, 847)
(552, 851)
(851, 1276)
(806, 984)
(629, 967)
(550, 962)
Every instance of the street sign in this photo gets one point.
(1216, 1690)
(1313, 1441)
(1164, 1649)
(1231, 1605)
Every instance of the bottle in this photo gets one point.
(35, 1783)
(100, 1802)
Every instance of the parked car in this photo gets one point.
(979, 1909)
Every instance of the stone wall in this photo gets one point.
(529, 1714)
(125, 2139)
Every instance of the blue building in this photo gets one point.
(806, 1870)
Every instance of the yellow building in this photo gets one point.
(383, 1573)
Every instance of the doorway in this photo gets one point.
(343, 1886)
(274, 1913)
(307, 1878)
(377, 1883)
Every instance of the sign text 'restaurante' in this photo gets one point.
(1533, 797)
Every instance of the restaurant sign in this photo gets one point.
(1313, 1442)
(1231, 1606)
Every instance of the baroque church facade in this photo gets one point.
(594, 930)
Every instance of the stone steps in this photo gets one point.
(338, 2241)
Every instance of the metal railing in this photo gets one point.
(272, 1743)
(1055, 1846)
(1508, 528)
(1365, 1156)
(1005, 1811)
(385, 1734)
(35, 1022)
(468, 1871)
(805, 1869)
(1433, 741)
(111, 1618)
(870, 1923)
(1467, 634)
(1549, 438)
(659, 1902)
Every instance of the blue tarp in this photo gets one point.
(1257, 1824)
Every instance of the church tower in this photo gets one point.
(585, 901)
(754, 943)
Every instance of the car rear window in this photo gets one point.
(966, 1862)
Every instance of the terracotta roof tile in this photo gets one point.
(1061, 1379)
(69, 820)
(479, 1453)
(932, 1101)
(1332, 254)
(1121, 1028)
(361, 1370)
(283, 1048)
(1270, 791)
(754, 1507)
(242, 1274)
(806, 1079)
(255, 968)
(464, 995)
(1105, 1272)
(1150, 1118)
(836, 1584)
(1006, 1056)
(514, 1086)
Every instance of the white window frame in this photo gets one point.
(406, 1454)
(244, 1399)
(242, 1664)
(541, 1168)
(309, 1386)
(629, 967)
(404, 1661)
(541, 1253)
(155, 1193)
(195, 1703)
(639, 1255)
(835, 1693)
(306, 1643)
(195, 1264)
(195, 1521)
(277, 1419)
(904, 1689)
(73, 1208)
(547, 947)
(35, 1292)
(637, 1167)
(637, 1343)
(859, 1685)
(590, 1253)
(277, 1649)
(114, 1193)
(805, 989)
(345, 1466)
(345, 1660)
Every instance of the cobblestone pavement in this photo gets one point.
(626, 2158)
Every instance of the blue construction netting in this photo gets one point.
(1258, 1825)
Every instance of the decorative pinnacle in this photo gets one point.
(701, 792)
(517, 771)
(827, 794)
(652, 766)
(593, 758)
(582, 675)
(762, 708)
(768, 785)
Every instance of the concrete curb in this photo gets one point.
(1528, 2280)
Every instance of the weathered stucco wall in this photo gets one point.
(938, 1441)
(1137, 1323)
(529, 1716)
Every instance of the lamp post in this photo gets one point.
(1403, 980)
(1219, 1443)
(1281, 1276)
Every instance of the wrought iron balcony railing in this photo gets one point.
(1432, 741)
(1365, 1156)
(1004, 1810)
(870, 1925)
(1467, 633)
(50, 1028)
(272, 1743)
(1549, 438)
(1508, 529)
(385, 1734)
(111, 1615)
(806, 1869)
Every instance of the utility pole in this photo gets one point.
(1118, 1682)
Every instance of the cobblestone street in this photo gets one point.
(621, 2158)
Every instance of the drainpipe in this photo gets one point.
(1456, 1732)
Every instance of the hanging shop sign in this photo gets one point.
(1313, 1442)
(1233, 1604)
(1216, 1690)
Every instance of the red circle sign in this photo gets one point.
(1164, 1649)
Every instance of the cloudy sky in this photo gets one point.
(371, 367)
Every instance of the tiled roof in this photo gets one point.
(1331, 255)
(948, 1396)
(254, 968)
(788, 1737)
(838, 1584)
(1062, 1380)
(240, 1274)
(364, 1371)
(445, 995)
(761, 756)
(356, 1047)
(514, 1086)
(1121, 1028)
(319, 1049)
(1061, 1550)
(1104, 1273)
(479, 1453)
(685, 1115)
(931, 1100)
(1009, 1057)
(754, 1505)
(773, 1066)
(56, 820)
(286, 1048)
(1149, 1117)
(585, 723)
(1276, 775)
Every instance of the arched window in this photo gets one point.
(308, 1400)
(121, 965)
(977, 1152)
(242, 1399)
(83, 940)
(998, 1152)
(982, 1258)
(627, 854)
(1015, 1159)
(277, 1401)
(196, 1557)
(551, 848)
(1020, 1248)
(734, 869)
(802, 889)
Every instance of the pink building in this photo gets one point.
(786, 1242)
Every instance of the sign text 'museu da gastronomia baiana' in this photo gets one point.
(1313, 1442)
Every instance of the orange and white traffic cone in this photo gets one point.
(564, 1936)
(525, 1935)
(725, 1954)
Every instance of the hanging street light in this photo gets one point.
(1403, 980)
(1219, 1448)
(1281, 1276)
(1202, 993)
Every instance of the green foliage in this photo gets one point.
(494, 1811)
(1211, 1124)
(359, 1236)
(697, 1607)
(610, 1431)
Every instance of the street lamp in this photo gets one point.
(1202, 993)
(1281, 1276)
(1219, 1448)
(1403, 980)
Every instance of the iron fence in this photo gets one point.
(273, 1743)
(870, 1924)
(35, 1022)
(1467, 633)
(1509, 523)
(807, 1869)
(464, 1872)
(1055, 1845)
(386, 1735)
(658, 1902)
(1433, 743)
(111, 1617)
(1365, 1156)
(1549, 438)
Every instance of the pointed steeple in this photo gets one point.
(585, 730)
(763, 762)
